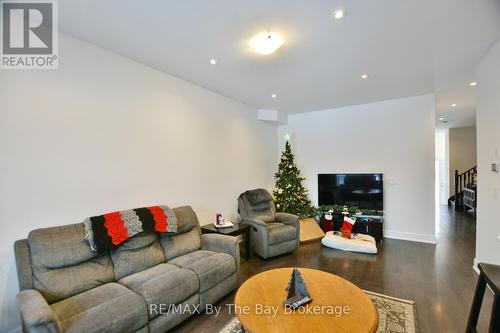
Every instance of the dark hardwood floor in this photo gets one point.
(440, 279)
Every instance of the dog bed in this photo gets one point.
(359, 242)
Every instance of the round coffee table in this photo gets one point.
(337, 305)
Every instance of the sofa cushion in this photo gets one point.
(107, 308)
(212, 295)
(63, 264)
(162, 284)
(188, 235)
(186, 219)
(210, 267)
(61, 246)
(279, 233)
(261, 206)
(165, 323)
(137, 254)
(265, 211)
(178, 245)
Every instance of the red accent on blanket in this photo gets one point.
(161, 220)
(116, 227)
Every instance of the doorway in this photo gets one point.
(442, 181)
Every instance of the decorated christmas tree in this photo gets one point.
(289, 193)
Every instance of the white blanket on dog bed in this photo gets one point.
(359, 242)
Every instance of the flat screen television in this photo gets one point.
(364, 190)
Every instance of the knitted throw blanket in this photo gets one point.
(105, 232)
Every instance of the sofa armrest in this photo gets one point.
(224, 244)
(36, 314)
(286, 218)
(255, 223)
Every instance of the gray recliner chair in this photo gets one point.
(272, 233)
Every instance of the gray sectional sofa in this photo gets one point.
(66, 287)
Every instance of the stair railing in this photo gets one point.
(462, 180)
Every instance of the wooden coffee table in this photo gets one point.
(267, 291)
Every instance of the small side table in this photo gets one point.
(236, 230)
(489, 275)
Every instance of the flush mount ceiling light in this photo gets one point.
(441, 118)
(453, 105)
(472, 84)
(265, 42)
(338, 14)
(213, 61)
(273, 95)
(364, 76)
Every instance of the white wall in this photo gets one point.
(463, 154)
(105, 133)
(393, 137)
(488, 151)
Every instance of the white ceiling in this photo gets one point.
(408, 47)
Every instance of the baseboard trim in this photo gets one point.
(474, 266)
(409, 236)
(476, 269)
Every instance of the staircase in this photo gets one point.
(462, 182)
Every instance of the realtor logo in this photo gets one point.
(29, 34)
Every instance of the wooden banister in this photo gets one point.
(461, 181)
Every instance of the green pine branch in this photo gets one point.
(290, 195)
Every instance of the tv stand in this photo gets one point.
(372, 225)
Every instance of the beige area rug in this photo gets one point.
(395, 316)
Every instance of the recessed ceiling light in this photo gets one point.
(453, 105)
(338, 14)
(266, 42)
(364, 76)
(273, 95)
(213, 61)
(472, 84)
